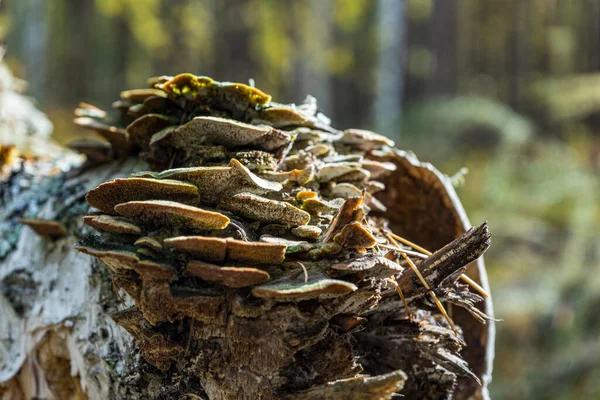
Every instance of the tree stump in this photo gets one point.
(276, 278)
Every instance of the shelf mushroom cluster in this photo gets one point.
(254, 231)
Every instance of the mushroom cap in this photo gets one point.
(264, 210)
(342, 172)
(306, 195)
(281, 117)
(319, 206)
(364, 140)
(299, 176)
(106, 196)
(141, 129)
(345, 190)
(298, 290)
(235, 277)
(292, 246)
(116, 136)
(255, 252)
(88, 110)
(170, 213)
(236, 98)
(350, 211)
(108, 223)
(307, 231)
(355, 235)
(214, 183)
(202, 131)
(125, 260)
(149, 242)
(43, 227)
(139, 95)
(207, 248)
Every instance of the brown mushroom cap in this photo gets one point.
(106, 196)
(149, 242)
(170, 213)
(123, 260)
(235, 277)
(298, 290)
(114, 259)
(364, 140)
(255, 252)
(350, 211)
(319, 206)
(355, 235)
(378, 169)
(107, 223)
(139, 95)
(307, 231)
(236, 97)
(43, 227)
(214, 183)
(207, 248)
(292, 246)
(88, 110)
(306, 195)
(300, 176)
(202, 131)
(141, 129)
(116, 136)
(264, 210)
(342, 172)
(150, 270)
(282, 116)
(345, 190)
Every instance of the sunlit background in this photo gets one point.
(509, 89)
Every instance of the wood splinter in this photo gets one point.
(431, 292)
(464, 277)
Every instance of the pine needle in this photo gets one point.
(431, 292)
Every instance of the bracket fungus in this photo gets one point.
(263, 254)
(106, 196)
(43, 227)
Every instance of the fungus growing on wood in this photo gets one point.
(116, 225)
(106, 196)
(171, 213)
(261, 248)
(299, 290)
(264, 210)
(235, 277)
(43, 227)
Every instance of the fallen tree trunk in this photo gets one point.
(58, 341)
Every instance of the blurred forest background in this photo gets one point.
(509, 89)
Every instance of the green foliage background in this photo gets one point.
(509, 89)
